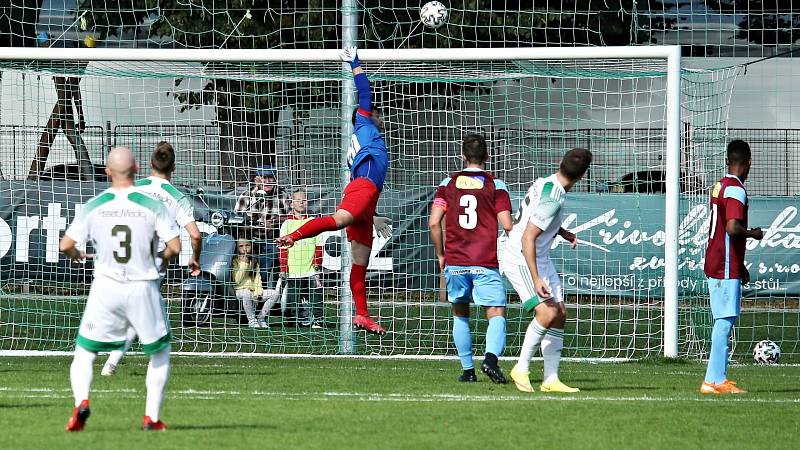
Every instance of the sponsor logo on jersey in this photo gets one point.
(131, 214)
(717, 188)
(467, 182)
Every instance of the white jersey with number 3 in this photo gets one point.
(541, 207)
(124, 226)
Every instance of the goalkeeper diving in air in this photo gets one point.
(368, 161)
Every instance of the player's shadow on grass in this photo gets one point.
(617, 388)
(227, 373)
(26, 406)
(773, 391)
(242, 426)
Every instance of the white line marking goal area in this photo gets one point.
(192, 394)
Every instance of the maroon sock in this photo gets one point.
(314, 227)
(358, 286)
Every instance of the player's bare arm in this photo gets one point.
(529, 251)
(67, 246)
(568, 236)
(505, 220)
(734, 228)
(172, 250)
(437, 238)
(197, 246)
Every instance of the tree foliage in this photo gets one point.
(765, 23)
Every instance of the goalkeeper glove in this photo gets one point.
(350, 55)
(383, 226)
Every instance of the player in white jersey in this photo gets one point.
(527, 265)
(180, 209)
(124, 226)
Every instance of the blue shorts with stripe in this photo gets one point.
(725, 297)
(474, 284)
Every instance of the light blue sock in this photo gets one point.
(496, 335)
(717, 370)
(463, 339)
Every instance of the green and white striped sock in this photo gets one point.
(552, 344)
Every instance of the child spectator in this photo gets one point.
(247, 281)
(300, 266)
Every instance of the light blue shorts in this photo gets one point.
(481, 285)
(725, 295)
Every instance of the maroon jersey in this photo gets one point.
(725, 254)
(471, 199)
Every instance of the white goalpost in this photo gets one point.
(623, 103)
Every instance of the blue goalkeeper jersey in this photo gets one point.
(367, 156)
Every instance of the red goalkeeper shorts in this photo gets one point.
(360, 199)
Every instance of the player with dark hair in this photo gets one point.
(122, 222)
(724, 263)
(527, 265)
(471, 202)
(180, 210)
(368, 161)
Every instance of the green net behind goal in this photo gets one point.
(225, 120)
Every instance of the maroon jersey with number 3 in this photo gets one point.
(471, 198)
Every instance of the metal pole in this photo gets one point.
(671, 214)
(347, 343)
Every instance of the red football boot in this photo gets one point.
(79, 416)
(149, 425)
(367, 324)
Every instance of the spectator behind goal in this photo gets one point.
(264, 203)
(300, 267)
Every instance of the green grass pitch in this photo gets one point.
(330, 403)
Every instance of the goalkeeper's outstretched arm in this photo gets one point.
(350, 55)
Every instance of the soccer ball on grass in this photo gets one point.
(433, 14)
(766, 352)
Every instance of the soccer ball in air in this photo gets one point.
(766, 352)
(433, 14)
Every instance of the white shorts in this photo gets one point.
(520, 279)
(114, 306)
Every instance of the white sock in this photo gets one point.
(246, 297)
(552, 344)
(533, 336)
(80, 374)
(156, 382)
(116, 355)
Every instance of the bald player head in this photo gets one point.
(121, 167)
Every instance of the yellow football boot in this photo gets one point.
(521, 379)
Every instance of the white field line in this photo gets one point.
(305, 356)
(224, 355)
(192, 394)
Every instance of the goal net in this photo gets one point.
(231, 121)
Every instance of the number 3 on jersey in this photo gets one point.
(469, 219)
(123, 232)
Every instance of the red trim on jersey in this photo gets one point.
(283, 256)
(318, 256)
(364, 112)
